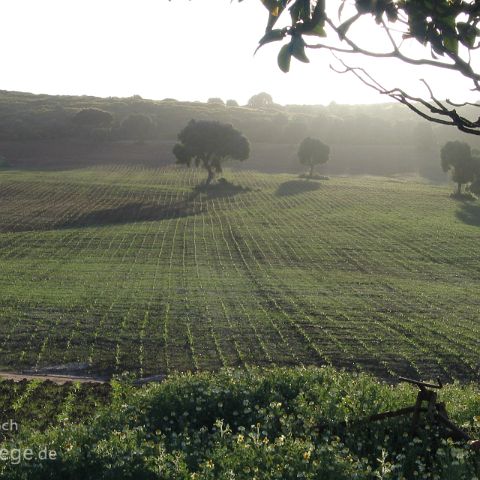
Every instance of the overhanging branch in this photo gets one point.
(433, 110)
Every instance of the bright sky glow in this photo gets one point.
(188, 50)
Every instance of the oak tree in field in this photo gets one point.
(210, 144)
(313, 152)
(448, 29)
(457, 157)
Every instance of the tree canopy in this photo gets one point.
(447, 27)
(261, 100)
(137, 126)
(457, 158)
(92, 117)
(209, 144)
(313, 152)
(216, 101)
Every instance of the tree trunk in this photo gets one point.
(211, 176)
(459, 189)
(311, 170)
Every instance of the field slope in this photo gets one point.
(124, 268)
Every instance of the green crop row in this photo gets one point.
(124, 268)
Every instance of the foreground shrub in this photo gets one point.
(254, 424)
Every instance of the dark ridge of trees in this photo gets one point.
(93, 117)
(137, 127)
(93, 123)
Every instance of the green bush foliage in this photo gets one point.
(245, 424)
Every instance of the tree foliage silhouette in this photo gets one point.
(260, 100)
(92, 117)
(313, 152)
(210, 144)
(137, 126)
(457, 158)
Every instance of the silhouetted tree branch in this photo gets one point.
(448, 27)
(434, 110)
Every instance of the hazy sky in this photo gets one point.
(189, 50)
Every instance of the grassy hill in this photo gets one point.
(120, 268)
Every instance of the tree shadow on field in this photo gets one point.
(132, 212)
(469, 213)
(223, 188)
(149, 212)
(295, 187)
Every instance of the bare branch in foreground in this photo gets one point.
(433, 110)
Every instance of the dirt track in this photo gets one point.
(60, 379)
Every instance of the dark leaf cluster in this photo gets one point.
(209, 143)
(457, 157)
(313, 151)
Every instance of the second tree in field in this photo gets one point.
(313, 152)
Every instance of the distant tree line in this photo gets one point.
(361, 137)
(27, 116)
